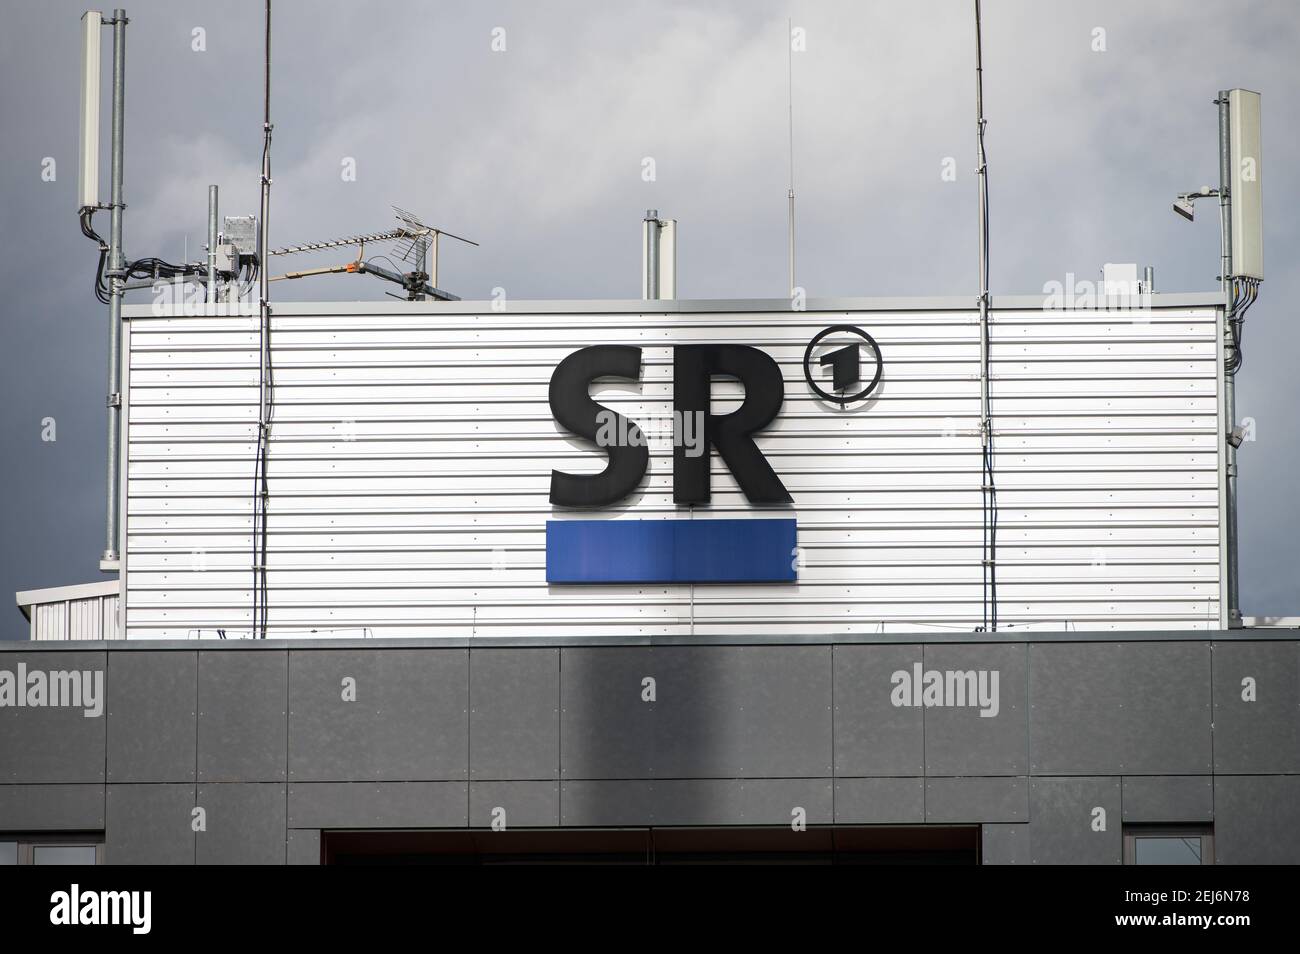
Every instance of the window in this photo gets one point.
(63, 854)
(819, 845)
(51, 849)
(1168, 845)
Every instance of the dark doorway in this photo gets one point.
(657, 846)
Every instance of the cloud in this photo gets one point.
(536, 152)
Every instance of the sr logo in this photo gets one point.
(693, 369)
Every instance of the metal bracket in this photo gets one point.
(114, 400)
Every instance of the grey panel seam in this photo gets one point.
(834, 774)
(1214, 765)
(288, 743)
(559, 737)
(925, 760)
(198, 714)
(107, 727)
(469, 737)
(1029, 743)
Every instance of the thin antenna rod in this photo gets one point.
(789, 82)
(988, 488)
(265, 380)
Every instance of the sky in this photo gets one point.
(526, 126)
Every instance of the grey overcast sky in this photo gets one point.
(536, 152)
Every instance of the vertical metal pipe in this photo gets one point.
(1148, 279)
(212, 243)
(982, 173)
(989, 555)
(790, 240)
(789, 82)
(650, 249)
(1229, 382)
(109, 559)
(1225, 200)
(433, 260)
(265, 381)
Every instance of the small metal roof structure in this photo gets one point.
(62, 594)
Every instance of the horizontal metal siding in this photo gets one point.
(411, 455)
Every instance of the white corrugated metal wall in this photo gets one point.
(411, 454)
(94, 617)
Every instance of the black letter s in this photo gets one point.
(573, 408)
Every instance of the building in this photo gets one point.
(468, 657)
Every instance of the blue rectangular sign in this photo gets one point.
(671, 551)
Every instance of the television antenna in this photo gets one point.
(416, 244)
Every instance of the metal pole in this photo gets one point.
(1229, 384)
(265, 381)
(650, 245)
(989, 556)
(433, 261)
(109, 559)
(982, 173)
(1225, 200)
(790, 240)
(212, 243)
(789, 82)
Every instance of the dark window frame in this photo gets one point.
(28, 842)
(1204, 832)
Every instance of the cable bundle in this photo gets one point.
(1242, 294)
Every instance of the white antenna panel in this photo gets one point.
(1247, 184)
(88, 176)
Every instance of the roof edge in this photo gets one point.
(593, 306)
(551, 642)
(58, 594)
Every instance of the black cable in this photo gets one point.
(988, 483)
(1238, 323)
(989, 495)
(376, 258)
(1242, 294)
(265, 383)
(101, 286)
(1232, 362)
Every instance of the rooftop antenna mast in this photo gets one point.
(1241, 270)
(988, 488)
(266, 378)
(112, 271)
(417, 245)
(789, 83)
